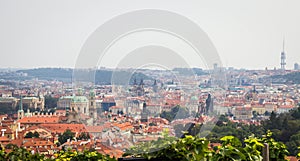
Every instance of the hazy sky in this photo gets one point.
(50, 33)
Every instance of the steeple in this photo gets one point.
(155, 86)
(20, 111)
(21, 104)
(144, 116)
(155, 83)
(92, 105)
(142, 82)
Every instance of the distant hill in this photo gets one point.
(293, 77)
(62, 74)
(190, 71)
(66, 74)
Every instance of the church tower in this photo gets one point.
(140, 89)
(155, 87)
(144, 116)
(92, 105)
(20, 111)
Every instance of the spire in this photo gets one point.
(21, 104)
(20, 111)
(92, 93)
(155, 83)
(142, 82)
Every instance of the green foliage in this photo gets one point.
(168, 149)
(192, 148)
(32, 135)
(253, 148)
(68, 134)
(19, 154)
(7, 109)
(83, 136)
(81, 156)
(230, 150)
(50, 102)
(10, 146)
(293, 77)
(176, 112)
(277, 150)
(285, 128)
(224, 128)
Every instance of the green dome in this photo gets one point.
(194, 98)
(80, 99)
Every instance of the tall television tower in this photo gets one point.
(283, 57)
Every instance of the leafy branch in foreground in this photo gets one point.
(194, 148)
(25, 155)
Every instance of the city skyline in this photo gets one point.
(149, 80)
(246, 35)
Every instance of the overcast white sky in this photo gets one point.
(50, 33)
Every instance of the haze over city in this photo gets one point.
(150, 80)
(51, 33)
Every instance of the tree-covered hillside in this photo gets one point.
(293, 77)
(66, 74)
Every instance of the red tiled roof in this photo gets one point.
(291, 158)
(36, 142)
(17, 142)
(286, 106)
(109, 150)
(4, 139)
(60, 128)
(7, 130)
(94, 128)
(39, 120)
(123, 126)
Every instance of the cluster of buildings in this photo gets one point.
(118, 117)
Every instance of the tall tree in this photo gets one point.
(68, 134)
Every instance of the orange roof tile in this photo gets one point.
(39, 120)
(35, 142)
(4, 139)
(94, 128)
(60, 128)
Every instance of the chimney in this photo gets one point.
(3, 132)
(19, 126)
(16, 134)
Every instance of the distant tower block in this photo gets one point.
(296, 66)
(215, 66)
(283, 58)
